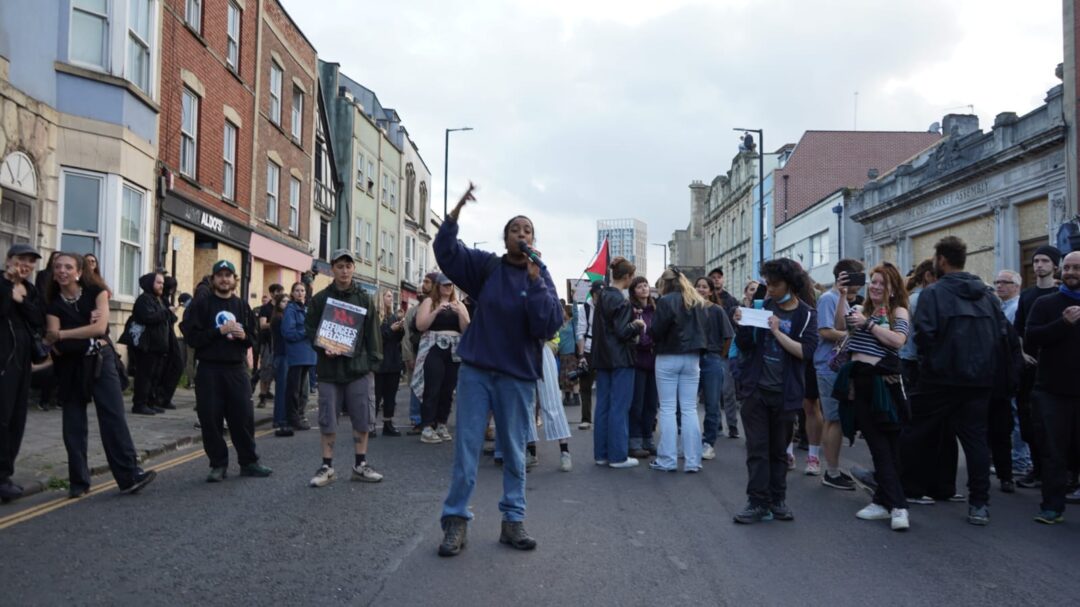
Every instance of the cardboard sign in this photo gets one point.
(341, 327)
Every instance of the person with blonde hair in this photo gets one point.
(679, 334)
(442, 322)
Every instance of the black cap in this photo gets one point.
(22, 248)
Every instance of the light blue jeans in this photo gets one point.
(611, 420)
(414, 408)
(510, 399)
(1021, 453)
(677, 377)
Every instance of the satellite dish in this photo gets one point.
(934, 128)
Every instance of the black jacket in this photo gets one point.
(19, 322)
(676, 329)
(1058, 345)
(151, 312)
(958, 331)
(391, 346)
(749, 341)
(612, 334)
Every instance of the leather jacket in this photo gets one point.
(676, 329)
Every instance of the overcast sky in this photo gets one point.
(591, 109)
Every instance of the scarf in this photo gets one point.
(1067, 292)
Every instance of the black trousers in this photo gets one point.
(884, 443)
(172, 369)
(14, 401)
(586, 382)
(926, 443)
(223, 392)
(1001, 428)
(297, 390)
(440, 379)
(1057, 424)
(766, 425)
(147, 377)
(112, 425)
(386, 388)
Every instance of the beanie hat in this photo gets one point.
(1049, 251)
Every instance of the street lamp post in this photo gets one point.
(446, 166)
(656, 244)
(761, 190)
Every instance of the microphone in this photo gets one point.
(531, 254)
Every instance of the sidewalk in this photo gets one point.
(43, 460)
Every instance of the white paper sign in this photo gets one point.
(752, 317)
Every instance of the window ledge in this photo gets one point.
(89, 74)
(235, 72)
(230, 202)
(296, 142)
(190, 181)
(196, 33)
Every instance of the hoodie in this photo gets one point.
(751, 343)
(958, 328)
(152, 313)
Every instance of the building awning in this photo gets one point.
(264, 249)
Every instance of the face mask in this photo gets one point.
(786, 298)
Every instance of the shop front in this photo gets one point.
(194, 237)
(274, 262)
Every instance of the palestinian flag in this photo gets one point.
(598, 268)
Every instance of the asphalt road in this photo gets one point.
(606, 537)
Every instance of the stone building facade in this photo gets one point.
(1003, 192)
(728, 223)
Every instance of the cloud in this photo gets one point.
(609, 108)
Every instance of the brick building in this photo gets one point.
(208, 75)
(285, 127)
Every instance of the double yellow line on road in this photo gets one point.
(33, 512)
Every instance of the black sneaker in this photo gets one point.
(142, 411)
(753, 514)
(733, 433)
(979, 516)
(255, 469)
(390, 430)
(514, 535)
(9, 491)
(415, 431)
(454, 531)
(1049, 517)
(1029, 481)
(167, 406)
(840, 481)
(1008, 487)
(141, 480)
(284, 431)
(217, 475)
(781, 512)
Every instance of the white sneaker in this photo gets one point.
(323, 476)
(565, 464)
(874, 512)
(601, 462)
(629, 462)
(365, 474)
(813, 466)
(900, 519)
(584, 426)
(443, 432)
(531, 461)
(429, 436)
(707, 451)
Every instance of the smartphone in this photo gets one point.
(856, 279)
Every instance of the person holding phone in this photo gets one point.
(442, 320)
(879, 405)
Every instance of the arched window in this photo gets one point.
(410, 191)
(18, 184)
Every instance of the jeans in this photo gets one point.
(677, 377)
(510, 399)
(1021, 454)
(765, 422)
(281, 380)
(643, 409)
(611, 420)
(712, 385)
(728, 401)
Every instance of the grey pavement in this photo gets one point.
(606, 537)
(43, 459)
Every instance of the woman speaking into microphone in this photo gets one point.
(517, 309)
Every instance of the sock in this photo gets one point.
(791, 449)
(564, 447)
(328, 461)
(815, 451)
(361, 458)
(832, 470)
(531, 449)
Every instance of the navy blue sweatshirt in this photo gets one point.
(514, 315)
